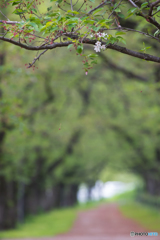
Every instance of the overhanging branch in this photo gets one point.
(115, 47)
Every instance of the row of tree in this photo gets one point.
(60, 128)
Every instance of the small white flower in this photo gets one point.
(104, 34)
(99, 34)
(98, 44)
(97, 48)
(103, 47)
(91, 36)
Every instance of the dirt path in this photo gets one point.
(103, 223)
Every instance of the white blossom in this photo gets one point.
(102, 35)
(99, 34)
(103, 47)
(98, 44)
(97, 48)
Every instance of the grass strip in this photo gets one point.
(47, 224)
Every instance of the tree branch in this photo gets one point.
(71, 6)
(132, 30)
(132, 53)
(36, 48)
(9, 22)
(4, 15)
(37, 58)
(118, 48)
(100, 5)
(148, 18)
(152, 5)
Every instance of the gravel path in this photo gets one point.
(103, 223)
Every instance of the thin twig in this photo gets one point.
(75, 3)
(133, 4)
(132, 30)
(115, 47)
(148, 18)
(37, 58)
(4, 15)
(115, 9)
(10, 22)
(62, 9)
(152, 5)
(100, 5)
(81, 6)
(155, 13)
(71, 6)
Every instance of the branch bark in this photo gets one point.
(117, 48)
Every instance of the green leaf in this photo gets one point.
(117, 10)
(131, 10)
(34, 25)
(49, 8)
(16, 3)
(121, 39)
(158, 8)
(69, 46)
(19, 11)
(121, 15)
(98, 10)
(59, 1)
(79, 48)
(129, 15)
(120, 33)
(144, 4)
(74, 12)
(92, 55)
(94, 62)
(156, 32)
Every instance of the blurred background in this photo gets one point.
(66, 137)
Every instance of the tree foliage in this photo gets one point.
(73, 24)
(59, 129)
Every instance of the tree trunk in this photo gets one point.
(8, 198)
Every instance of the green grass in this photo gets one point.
(61, 220)
(124, 197)
(47, 224)
(146, 216)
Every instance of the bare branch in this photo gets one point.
(71, 6)
(115, 8)
(100, 5)
(148, 18)
(133, 4)
(75, 3)
(37, 58)
(9, 22)
(81, 6)
(132, 53)
(115, 14)
(155, 13)
(62, 9)
(4, 15)
(118, 48)
(152, 5)
(132, 30)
